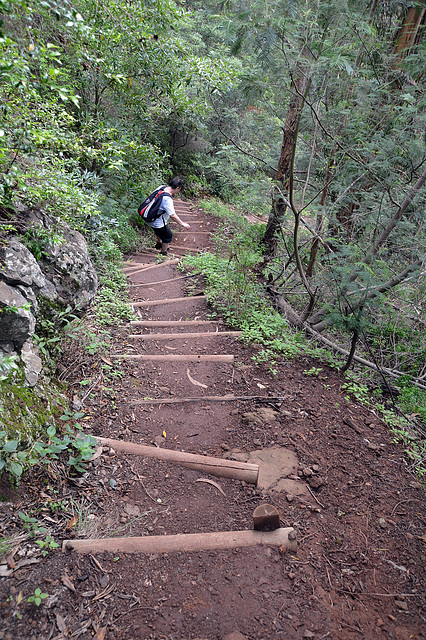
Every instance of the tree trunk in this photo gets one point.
(319, 225)
(299, 88)
(410, 32)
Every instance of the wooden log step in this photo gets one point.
(178, 248)
(171, 323)
(284, 537)
(156, 303)
(227, 398)
(229, 359)
(134, 267)
(155, 265)
(147, 284)
(214, 466)
(183, 336)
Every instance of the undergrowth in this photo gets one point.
(234, 289)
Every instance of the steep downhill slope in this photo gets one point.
(326, 463)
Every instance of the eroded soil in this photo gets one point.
(359, 568)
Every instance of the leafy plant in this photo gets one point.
(46, 544)
(314, 371)
(358, 390)
(8, 366)
(12, 459)
(38, 597)
(31, 525)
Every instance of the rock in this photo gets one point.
(382, 523)
(401, 604)
(32, 363)
(260, 416)
(308, 634)
(64, 276)
(19, 267)
(275, 463)
(65, 262)
(17, 321)
(235, 635)
(132, 510)
(315, 482)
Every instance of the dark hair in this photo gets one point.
(176, 183)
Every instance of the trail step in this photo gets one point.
(229, 359)
(189, 399)
(179, 248)
(155, 265)
(170, 323)
(183, 336)
(155, 303)
(146, 284)
(285, 538)
(134, 266)
(224, 468)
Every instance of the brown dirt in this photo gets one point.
(359, 568)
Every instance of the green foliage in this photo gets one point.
(46, 544)
(20, 454)
(412, 400)
(356, 389)
(36, 239)
(314, 371)
(414, 443)
(31, 525)
(38, 597)
(8, 366)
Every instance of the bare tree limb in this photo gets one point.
(295, 320)
(237, 146)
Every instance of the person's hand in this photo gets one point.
(185, 225)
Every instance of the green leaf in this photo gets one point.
(16, 469)
(11, 445)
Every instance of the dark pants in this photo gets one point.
(164, 233)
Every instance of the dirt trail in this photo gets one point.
(328, 466)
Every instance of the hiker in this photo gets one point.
(167, 210)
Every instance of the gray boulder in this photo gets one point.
(73, 275)
(17, 323)
(63, 277)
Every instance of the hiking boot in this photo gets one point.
(158, 245)
(164, 247)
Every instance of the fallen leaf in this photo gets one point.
(107, 361)
(72, 522)
(11, 562)
(60, 623)
(212, 482)
(261, 386)
(67, 583)
(100, 635)
(19, 598)
(164, 434)
(97, 453)
(197, 384)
